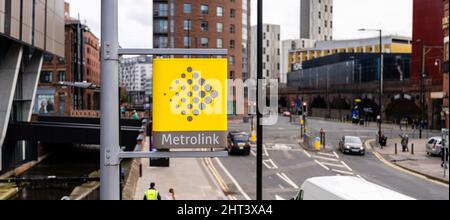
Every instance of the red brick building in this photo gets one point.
(81, 64)
(428, 34)
(445, 26)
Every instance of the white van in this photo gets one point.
(345, 188)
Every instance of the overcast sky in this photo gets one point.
(135, 24)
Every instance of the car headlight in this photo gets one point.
(361, 148)
(347, 147)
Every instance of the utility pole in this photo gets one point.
(109, 121)
(259, 95)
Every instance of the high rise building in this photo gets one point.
(28, 29)
(286, 47)
(271, 52)
(61, 75)
(206, 24)
(136, 78)
(316, 19)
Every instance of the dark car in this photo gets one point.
(352, 145)
(239, 143)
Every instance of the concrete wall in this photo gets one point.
(9, 71)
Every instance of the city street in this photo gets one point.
(287, 165)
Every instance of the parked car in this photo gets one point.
(345, 188)
(287, 114)
(434, 146)
(239, 143)
(352, 145)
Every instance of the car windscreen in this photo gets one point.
(242, 137)
(352, 140)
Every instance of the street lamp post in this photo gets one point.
(380, 112)
(425, 50)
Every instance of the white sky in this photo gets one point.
(135, 24)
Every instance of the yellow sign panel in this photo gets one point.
(190, 95)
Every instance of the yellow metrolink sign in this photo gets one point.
(190, 103)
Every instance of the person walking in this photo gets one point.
(405, 142)
(152, 193)
(444, 157)
(171, 195)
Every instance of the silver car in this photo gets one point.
(434, 146)
(352, 145)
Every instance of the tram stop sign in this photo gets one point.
(190, 103)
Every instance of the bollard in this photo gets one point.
(412, 149)
(396, 148)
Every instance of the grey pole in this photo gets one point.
(109, 120)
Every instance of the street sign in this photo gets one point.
(190, 103)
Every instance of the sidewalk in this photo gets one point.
(420, 162)
(189, 178)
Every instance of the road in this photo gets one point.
(287, 165)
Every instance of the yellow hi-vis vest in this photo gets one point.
(152, 194)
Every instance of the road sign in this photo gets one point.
(190, 107)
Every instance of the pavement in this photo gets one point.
(190, 178)
(420, 162)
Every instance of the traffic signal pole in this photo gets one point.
(109, 119)
(259, 156)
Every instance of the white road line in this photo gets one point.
(281, 187)
(279, 198)
(306, 153)
(323, 166)
(232, 179)
(333, 165)
(266, 153)
(346, 166)
(253, 153)
(361, 177)
(343, 172)
(284, 177)
(335, 154)
(325, 158)
(326, 154)
(270, 164)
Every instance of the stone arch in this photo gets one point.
(319, 102)
(401, 108)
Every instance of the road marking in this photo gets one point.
(281, 187)
(253, 153)
(361, 177)
(343, 172)
(346, 166)
(306, 153)
(217, 176)
(326, 154)
(279, 198)
(333, 165)
(270, 164)
(266, 153)
(282, 147)
(335, 154)
(325, 158)
(323, 166)
(377, 155)
(284, 177)
(232, 179)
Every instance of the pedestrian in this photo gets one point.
(444, 157)
(152, 193)
(405, 142)
(135, 115)
(171, 195)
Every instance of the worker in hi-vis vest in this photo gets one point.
(152, 193)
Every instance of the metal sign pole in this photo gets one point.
(259, 162)
(109, 132)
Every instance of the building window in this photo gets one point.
(46, 77)
(62, 76)
(204, 41)
(219, 43)
(232, 13)
(187, 41)
(204, 26)
(232, 29)
(232, 44)
(187, 8)
(232, 60)
(187, 25)
(219, 27)
(219, 12)
(204, 9)
(232, 74)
